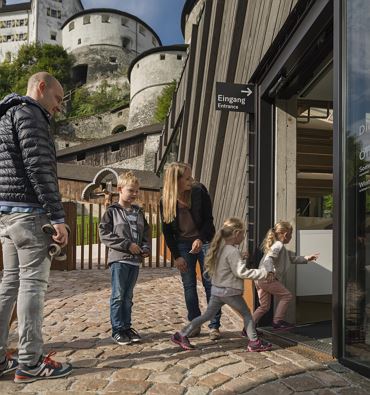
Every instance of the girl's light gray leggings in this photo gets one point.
(215, 303)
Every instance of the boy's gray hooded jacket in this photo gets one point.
(115, 233)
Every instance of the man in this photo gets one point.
(29, 198)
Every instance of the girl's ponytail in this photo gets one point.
(268, 241)
(210, 259)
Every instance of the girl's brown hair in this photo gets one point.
(230, 227)
(173, 172)
(271, 235)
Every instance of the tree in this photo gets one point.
(31, 59)
(164, 102)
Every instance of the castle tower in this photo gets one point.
(105, 40)
(149, 73)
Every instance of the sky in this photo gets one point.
(164, 16)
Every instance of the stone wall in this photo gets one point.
(79, 130)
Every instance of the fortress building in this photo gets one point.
(104, 40)
(34, 21)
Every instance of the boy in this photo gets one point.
(124, 230)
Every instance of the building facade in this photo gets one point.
(300, 153)
(35, 21)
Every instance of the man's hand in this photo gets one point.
(145, 253)
(135, 249)
(62, 235)
(181, 264)
(196, 246)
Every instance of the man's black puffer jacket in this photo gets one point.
(28, 172)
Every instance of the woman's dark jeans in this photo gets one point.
(189, 281)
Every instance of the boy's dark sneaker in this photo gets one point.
(45, 369)
(182, 341)
(259, 345)
(121, 338)
(133, 335)
(282, 326)
(8, 365)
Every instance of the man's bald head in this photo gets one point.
(47, 90)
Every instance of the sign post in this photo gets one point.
(235, 97)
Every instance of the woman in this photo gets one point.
(186, 211)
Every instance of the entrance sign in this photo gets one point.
(235, 97)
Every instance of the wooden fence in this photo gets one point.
(85, 251)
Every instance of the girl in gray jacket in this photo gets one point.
(275, 260)
(227, 269)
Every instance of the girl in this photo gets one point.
(227, 269)
(275, 260)
(186, 211)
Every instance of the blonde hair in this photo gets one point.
(271, 235)
(230, 227)
(127, 178)
(173, 172)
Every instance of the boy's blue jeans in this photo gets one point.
(124, 277)
(189, 281)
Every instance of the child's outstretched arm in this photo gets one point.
(239, 268)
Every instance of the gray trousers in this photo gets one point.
(25, 278)
(216, 302)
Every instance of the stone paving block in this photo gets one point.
(307, 364)
(214, 380)
(89, 384)
(190, 362)
(201, 370)
(303, 382)
(153, 365)
(131, 374)
(286, 369)
(330, 379)
(127, 387)
(239, 385)
(236, 369)
(197, 390)
(260, 376)
(325, 391)
(166, 389)
(174, 375)
(274, 388)
(50, 385)
(222, 361)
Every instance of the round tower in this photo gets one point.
(148, 74)
(104, 41)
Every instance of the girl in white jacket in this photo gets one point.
(227, 269)
(275, 260)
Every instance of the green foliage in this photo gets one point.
(328, 205)
(106, 97)
(31, 59)
(164, 102)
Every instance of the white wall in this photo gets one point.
(53, 22)
(96, 32)
(19, 35)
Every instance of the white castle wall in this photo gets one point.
(89, 29)
(149, 76)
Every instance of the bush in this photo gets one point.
(31, 59)
(164, 102)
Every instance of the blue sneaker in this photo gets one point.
(45, 369)
(8, 365)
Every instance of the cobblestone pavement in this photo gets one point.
(77, 327)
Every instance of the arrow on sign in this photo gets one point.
(248, 92)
